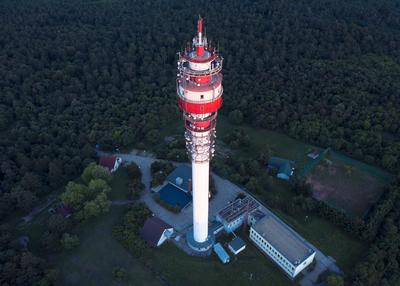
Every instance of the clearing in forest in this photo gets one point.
(347, 184)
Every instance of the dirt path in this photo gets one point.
(38, 209)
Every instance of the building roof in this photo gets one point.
(314, 154)
(237, 243)
(153, 229)
(293, 247)
(257, 215)
(174, 196)
(108, 162)
(237, 208)
(220, 251)
(64, 210)
(283, 165)
(181, 177)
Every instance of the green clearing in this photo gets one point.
(328, 238)
(119, 185)
(249, 268)
(345, 186)
(92, 262)
(281, 145)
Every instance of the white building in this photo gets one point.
(285, 247)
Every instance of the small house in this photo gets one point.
(156, 231)
(314, 154)
(111, 163)
(237, 245)
(283, 167)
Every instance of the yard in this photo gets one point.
(249, 268)
(346, 186)
(329, 239)
(280, 144)
(92, 262)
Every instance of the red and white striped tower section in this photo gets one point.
(199, 88)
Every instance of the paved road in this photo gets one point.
(180, 221)
(227, 191)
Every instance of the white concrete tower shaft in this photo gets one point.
(200, 174)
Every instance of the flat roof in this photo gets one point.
(237, 208)
(293, 247)
(237, 243)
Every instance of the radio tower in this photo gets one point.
(199, 88)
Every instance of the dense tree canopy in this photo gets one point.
(80, 73)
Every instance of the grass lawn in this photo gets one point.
(249, 268)
(328, 238)
(331, 240)
(119, 185)
(345, 186)
(92, 262)
(280, 144)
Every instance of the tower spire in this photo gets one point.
(200, 41)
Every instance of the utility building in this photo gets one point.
(285, 247)
(235, 214)
(283, 167)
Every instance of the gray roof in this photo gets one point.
(237, 208)
(282, 165)
(257, 215)
(237, 243)
(184, 172)
(293, 247)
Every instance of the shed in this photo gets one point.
(237, 245)
(221, 253)
(314, 154)
(283, 166)
(155, 231)
(111, 163)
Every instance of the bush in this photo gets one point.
(159, 171)
(134, 172)
(70, 241)
(119, 273)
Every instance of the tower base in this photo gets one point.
(199, 247)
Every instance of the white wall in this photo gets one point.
(304, 264)
(277, 257)
(165, 236)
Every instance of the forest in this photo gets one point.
(78, 74)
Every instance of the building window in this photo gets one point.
(202, 96)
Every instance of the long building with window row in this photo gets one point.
(285, 247)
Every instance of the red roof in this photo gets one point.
(108, 162)
(153, 229)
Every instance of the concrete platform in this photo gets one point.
(202, 247)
